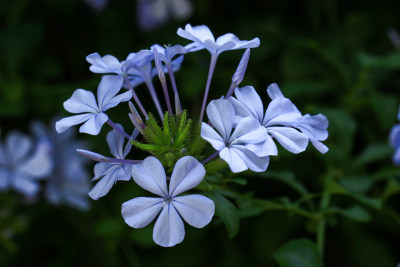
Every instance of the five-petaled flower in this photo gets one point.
(197, 210)
(93, 112)
(237, 148)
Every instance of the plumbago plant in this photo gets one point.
(188, 154)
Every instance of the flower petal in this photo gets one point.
(197, 33)
(94, 123)
(105, 64)
(251, 100)
(150, 175)
(279, 107)
(81, 101)
(239, 44)
(141, 211)
(252, 161)
(168, 229)
(274, 91)
(291, 139)
(196, 210)
(266, 148)
(209, 134)
(104, 185)
(39, 165)
(248, 130)
(187, 174)
(64, 124)
(234, 161)
(25, 185)
(115, 142)
(109, 87)
(221, 114)
(17, 145)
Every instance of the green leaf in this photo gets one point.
(355, 213)
(390, 61)
(239, 181)
(287, 178)
(384, 105)
(359, 184)
(298, 253)
(227, 212)
(372, 153)
(392, 188)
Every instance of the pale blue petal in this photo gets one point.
(150, 175)
(238, 44)
(319, 146)
(103, 186)
(81, 101)
(39, 165)
(25, 185)
(94, 123)
(241, 110)
(291, 139)
(266, 148)
(394, 136)
(196, 210)
(396, 157)
(251, 100)
(109, 87)
(118, 99)
(168, 229)
(314, 126)
(252, 161)
(105, 64)
(17, 146)
(5, 177)
(248, 130)
(141, 211)
(274, 91)
(115, 142)
(101, 169)
(235, 162)
(221, 114)
(277, 108)
(187, 174)
(209, 134)
(197, 33)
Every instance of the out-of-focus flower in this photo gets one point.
(196, 210)
(237, 148)
(97, 5)
(203, 38)
(154, 13)
(23, 164)
(394, 139)
(108, 173)
(68, 182)
(93, 115)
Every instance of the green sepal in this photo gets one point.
(166, 129)
(147, 147)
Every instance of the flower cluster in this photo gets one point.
(241, 132)
(46, 158)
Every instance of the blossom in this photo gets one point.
(394, 139)
(68, 182)
(237, 148)
(203, 38)
(106, 64)
(108, 173)
(23, 164)
(197, 210)
(93, 116)
(282, 120)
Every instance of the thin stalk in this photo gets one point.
(208, 159)
(154, 96)
(118, 129)
(324, 204)
(174, 88)
(135, 97)
(210, 74)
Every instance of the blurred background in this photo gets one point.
(332, 56)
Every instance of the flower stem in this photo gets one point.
(118, 129)
(213, 155)
(174, 88)
(154, 96)
(135, 97)
(324, 204)
(210, 74)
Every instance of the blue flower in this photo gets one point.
(203, 38)
(68, 182)
(237, 148)
(93, 115)
(196, 210)
(282, 120)
(107, 64)
(394, 139)
(108, 173)
(23, 164)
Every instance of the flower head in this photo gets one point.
(196, 210)
(203, 38)
(23, 164)
(93, 112)
(237, 148)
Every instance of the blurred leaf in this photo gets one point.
(355, 213)
(372, 153)
(359, 184)
(335, 188)
(227, 212)
(392, 188)
(144, 237)
(390, 61)
(109, 228)
(239, 181)
(384, 105)
(298, 253)
(286, 177)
